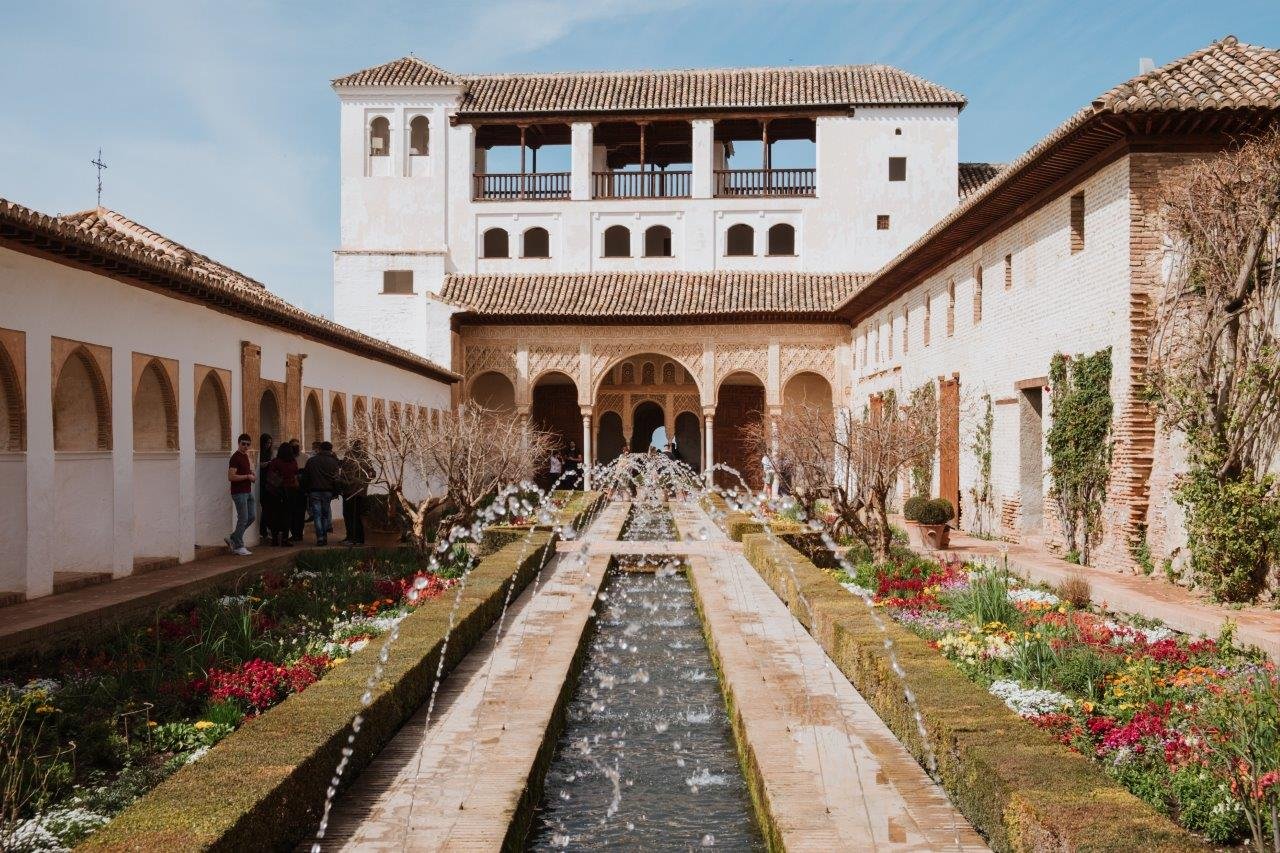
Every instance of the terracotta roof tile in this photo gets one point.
(406, 71)
(102, 237)
(611, 91)
(650, 294)
(1227, 74)
(973, 176)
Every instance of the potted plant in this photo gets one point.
(382, 527)
(911, 510)
(932, 518)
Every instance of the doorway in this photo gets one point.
(1031, 460)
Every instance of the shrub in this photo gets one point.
(936, 511)
(987, 600)
(1076, 590)
(912, 508)
(1232, 528)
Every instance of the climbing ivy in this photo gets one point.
(983, 498)
(1079, 445)
(926, 397)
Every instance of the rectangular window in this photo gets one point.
(897, 168)
(397, 281)
(928, 317)
(977, 294)
(882, 222)
(1077, 223)
(951, 308)
(906, 330)
(1008, 272)
(889, 337)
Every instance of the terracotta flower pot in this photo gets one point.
(914, 535)
(936, 536)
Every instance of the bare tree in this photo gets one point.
(444, 465)
(1215, 366)
(851, 461)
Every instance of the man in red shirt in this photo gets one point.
(240, 475)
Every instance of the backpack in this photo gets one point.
(273, 481)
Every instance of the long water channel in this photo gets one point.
(646, 760)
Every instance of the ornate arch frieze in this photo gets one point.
(798, 358)
(751, 357)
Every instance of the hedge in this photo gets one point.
(1015, 784)
(263, 787)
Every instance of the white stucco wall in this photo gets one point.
(1059, 301)
(101, 510)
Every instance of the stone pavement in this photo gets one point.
(47, 620)
(457, 784)
(834, 776)
(1153, 597)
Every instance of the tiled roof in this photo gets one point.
(406, 71)
(1227, 74)
(650, 294)
(115, 227)
(973, 176)
(626, 91)
(104, 239)
(1227, 78)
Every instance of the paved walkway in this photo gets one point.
(456, 785)
(1153, 597)
(835, 777)
(49, 619)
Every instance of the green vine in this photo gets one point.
(982, 493)
(1079, 446)
(922, 472)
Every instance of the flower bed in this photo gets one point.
(85, 732)
(1191, 726)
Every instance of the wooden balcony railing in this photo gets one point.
(733, 183)
(514, 186)
(660, 184)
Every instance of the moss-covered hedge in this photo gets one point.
(1020, 788)
(263, 788)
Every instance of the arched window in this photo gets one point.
(537, 243)
(740, 241)
(312, 422)
(668, 374)
(657, 242)
(81, 407)
(496, 243)
(782, 239)
(628, 373)
(13, 414)
(213, 416)
(419, 136)
(379, 137)
(646, 373)
(155, 411)
(617, 242)
(359, 417)
(269, 422)
(337, 422)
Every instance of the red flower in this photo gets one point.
(259, 684)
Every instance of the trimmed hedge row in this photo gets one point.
(263, 788)
(1018, 787)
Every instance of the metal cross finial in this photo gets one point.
(100, 165)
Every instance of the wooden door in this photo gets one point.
(949, 441)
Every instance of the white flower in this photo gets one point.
(1029, 701)
(1024, 596)
(233, 600)
(197, 755)
(52, 831)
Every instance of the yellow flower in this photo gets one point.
(1087, 707)
(45, 709)
(151, 724)
(202, 725)
(337, 662)
(1062, 608)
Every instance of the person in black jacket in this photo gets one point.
(322, 475)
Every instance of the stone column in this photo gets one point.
(775, 412)
(250, 391)
(580, 158)
(586, 448)
(708, 456)
(703, 158)
(293, 394)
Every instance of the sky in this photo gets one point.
(219, 127)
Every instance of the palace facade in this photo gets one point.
(609, 252)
